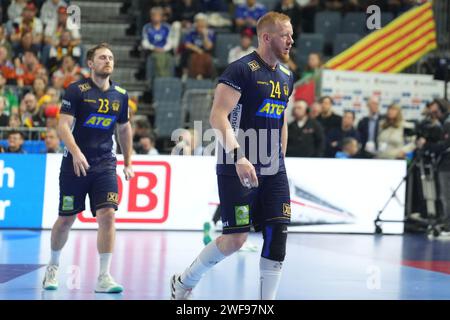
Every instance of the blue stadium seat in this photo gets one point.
(169, 116)
(354, 22)
(30, 146)
(327, 23)
(224, 43)
(167, 89)
(199, 84)
(307, 43)
(344, 41)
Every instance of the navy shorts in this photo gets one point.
(101, 187)
(241, 207)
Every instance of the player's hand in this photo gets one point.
(247, 174)
(80, 164)
(128, 172)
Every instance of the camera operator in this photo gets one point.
(434, 142)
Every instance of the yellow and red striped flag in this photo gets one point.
(394, 47)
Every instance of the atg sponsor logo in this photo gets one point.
(271, 108)
(100, 121)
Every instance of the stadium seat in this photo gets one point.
(169, 116)
(327, 23)
(307, 43)
(167, 89)
(354, 22)
(344, 41)
(199, 84)
(224, 42)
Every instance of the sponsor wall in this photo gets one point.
(350, 90)
(21, 190)
(180, 193)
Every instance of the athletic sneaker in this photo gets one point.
(50, 281)
(106, 284)
(178, 290)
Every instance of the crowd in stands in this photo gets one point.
(40, 56)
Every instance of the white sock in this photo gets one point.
(208, 258)
(105, 263)
(270, 275)
(54, 259)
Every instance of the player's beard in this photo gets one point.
(282, 57)
(102, 73)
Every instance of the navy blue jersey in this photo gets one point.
(265, 93)
(96, 114)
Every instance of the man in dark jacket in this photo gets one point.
(305, 135)
(368, 128)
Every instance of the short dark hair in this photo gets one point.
(326, 97)
(91, 52)
(350, 111)
(11, 132)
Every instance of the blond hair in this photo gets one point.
(269, 20)
(397, 122)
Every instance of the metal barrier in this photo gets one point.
(29, 133)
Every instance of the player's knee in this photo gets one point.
(235, 241)
(65, 223)
(105, 216)
(275, 237)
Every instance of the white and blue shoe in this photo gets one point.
(50, 279)
(106, 284)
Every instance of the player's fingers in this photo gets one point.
(85, 164)
(83, 170)
(76, 170)
(253, 178)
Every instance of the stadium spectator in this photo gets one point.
(5, 43)
(141, 128)
(54, 30)
(68, 72)
(328, 119)
(198, 45)
(308, 12)
(246, 15)
(11, 98)
(158, 46)
(25, 44)
(64, 48)
(15, 9)
(291, 9)
(49, 11)
(213, 5)
(245, 47)
(52, 142)
(336, 135)
(313, 66)
(7, 69)
(14, 121)
(27, 68)
(4, 118)
(31, 115)
(185, 12)
(391, 136)
(15, 142)
(315, 110)
(368, 128)
(305, 135)
(39, 89)
(147, 145)
(350, 148)
(27, 22)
